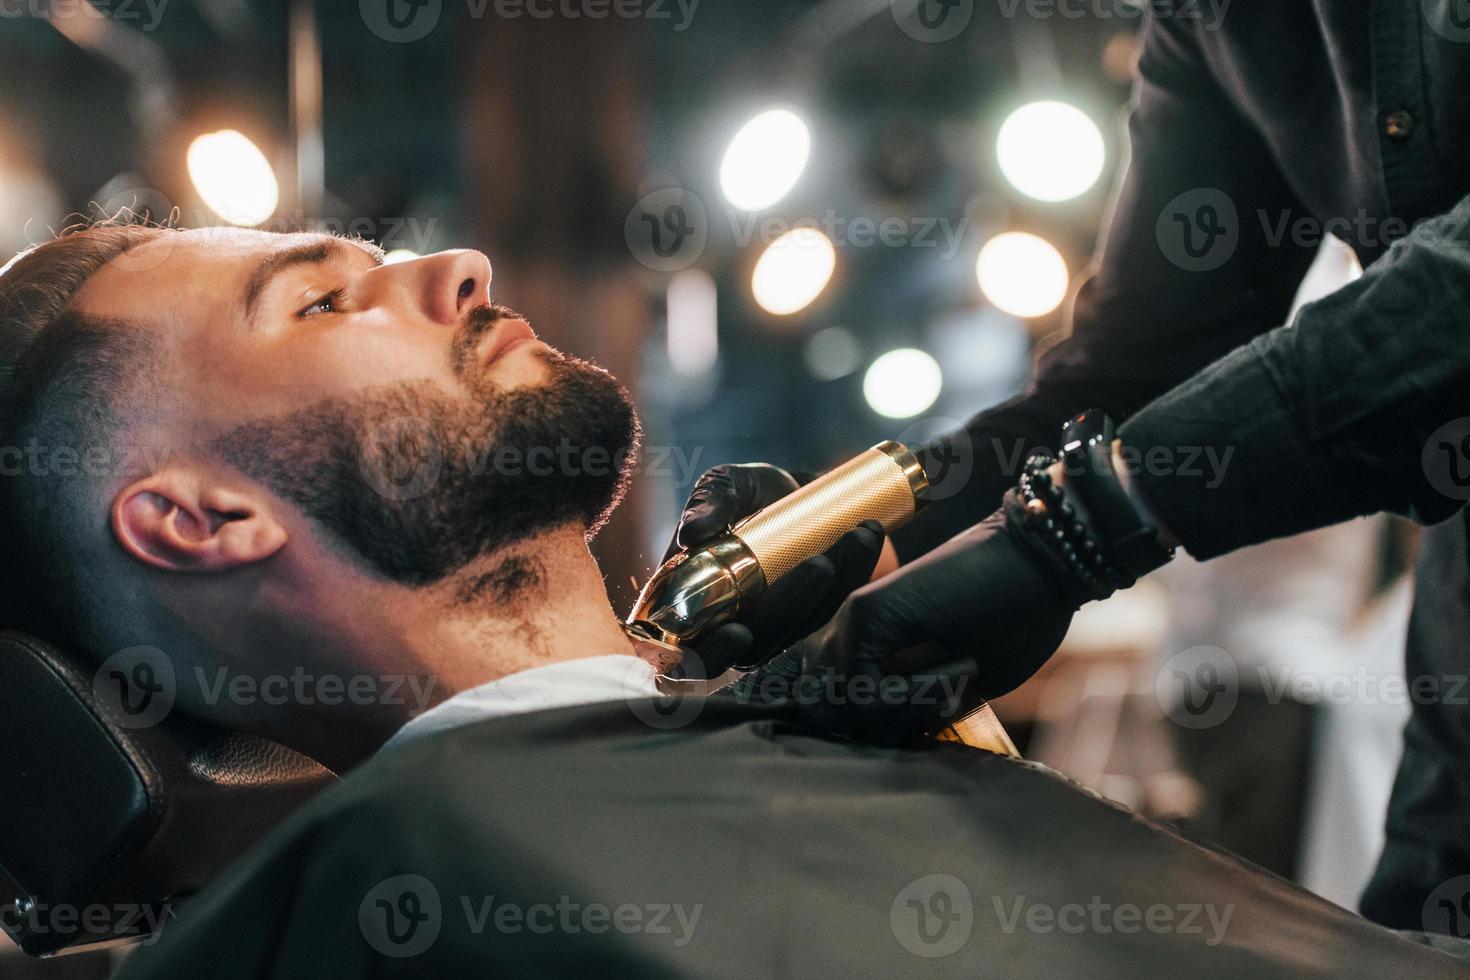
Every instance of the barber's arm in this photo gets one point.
(1167, 296)
(1362, 405)
(1149, 317)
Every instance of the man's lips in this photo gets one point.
(507, 333)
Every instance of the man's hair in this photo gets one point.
(63, 377)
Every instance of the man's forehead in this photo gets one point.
(197, 266)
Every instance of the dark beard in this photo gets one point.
(417, 483)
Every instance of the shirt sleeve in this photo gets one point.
(1363, 405)
(1185, 273)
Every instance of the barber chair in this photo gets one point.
(104, 826)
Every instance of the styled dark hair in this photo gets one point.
(61, 377)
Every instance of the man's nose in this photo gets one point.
(446, 284)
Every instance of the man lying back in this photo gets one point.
(276, 456)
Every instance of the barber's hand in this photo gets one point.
(796, 604)
(972, 619)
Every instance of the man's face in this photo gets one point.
(392, 403)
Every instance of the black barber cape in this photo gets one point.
(721, 841)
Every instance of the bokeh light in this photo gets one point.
(693, 336)
(793, 271)
(765, 160)
(1022, 274)
(832, 353)
(1051, 151)
(233, 177)
(396, 255)
(902, 383)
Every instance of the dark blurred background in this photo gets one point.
(767, 217)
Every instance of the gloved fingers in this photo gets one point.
(782, 614)
(724, 495)
(853, 559)
(898, 707)
(871, 625)
(717, 651)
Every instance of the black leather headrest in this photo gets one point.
(102, 824)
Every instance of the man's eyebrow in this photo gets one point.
(311, 253)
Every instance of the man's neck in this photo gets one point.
(537, 603)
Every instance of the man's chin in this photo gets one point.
(523, 364)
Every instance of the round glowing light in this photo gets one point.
(1050, 151)
(1022, 274)
(233, 177)
(396, 255)
(793, 271)
(832, 353)
(902, 383)
(765, 160)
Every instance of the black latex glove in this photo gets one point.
(972, 619)
(792, 607)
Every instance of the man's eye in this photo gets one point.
(327, 304)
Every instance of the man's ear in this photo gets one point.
(186, 520)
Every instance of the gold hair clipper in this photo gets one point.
(697, 590)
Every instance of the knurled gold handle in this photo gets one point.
(884, 484)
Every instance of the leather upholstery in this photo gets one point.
(103, 825)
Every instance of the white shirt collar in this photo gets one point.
(613, 677)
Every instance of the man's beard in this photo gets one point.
(418, 483)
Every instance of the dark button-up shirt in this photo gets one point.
(1253, 134)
